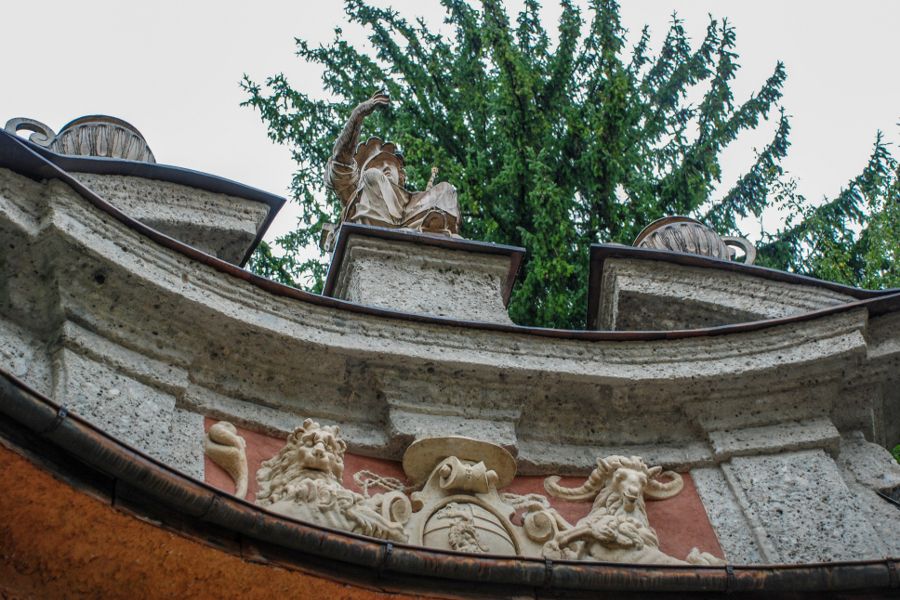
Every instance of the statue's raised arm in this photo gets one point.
(369, 179)
(345, 146)
(342, 172)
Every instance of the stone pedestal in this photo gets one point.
(421, 273)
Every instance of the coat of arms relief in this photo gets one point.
(456, 500)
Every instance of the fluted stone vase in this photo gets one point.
(684, 234)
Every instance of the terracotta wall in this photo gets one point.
(58, 542)
(680, 522)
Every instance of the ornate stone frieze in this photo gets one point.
(456, 503)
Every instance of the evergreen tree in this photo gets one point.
(551, 147)
(853, 238)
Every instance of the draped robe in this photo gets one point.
(371, 198)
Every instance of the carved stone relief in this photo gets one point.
(456, 501)
(227, 449)
(303, 481)
(458, 507)
(617, 528)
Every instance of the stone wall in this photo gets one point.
(775, 423)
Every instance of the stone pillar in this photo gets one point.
(779, 496)
(420, 273)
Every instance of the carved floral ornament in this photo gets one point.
(456, 502)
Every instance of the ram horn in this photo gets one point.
(660, 490)
(586, 491)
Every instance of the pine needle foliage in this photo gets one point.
(853, 238)
(552, 145)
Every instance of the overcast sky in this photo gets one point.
(172, 70)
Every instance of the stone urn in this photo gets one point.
(684, 234)
(92, 135)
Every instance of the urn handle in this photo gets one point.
(744, 244)
(41, 134)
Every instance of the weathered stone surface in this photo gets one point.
(24, 356)
(128, 409)
(883, 371)
(789, 401)
(155, 373)
(21, 205)
(867, 463)
(734, 531)
(869, 468)
(539, 456)
(226, 348)
(404, 427)
(367, 437)
(817, 433)
(652, 295)
(801, 508)
(221, 225)
(128, 395)
(413, 278)
(181, 447)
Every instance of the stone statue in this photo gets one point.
(369, 179)
(303, 481)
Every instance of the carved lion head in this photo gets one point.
(318, 448)
(311, 451)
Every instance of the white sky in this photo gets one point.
(172, 70)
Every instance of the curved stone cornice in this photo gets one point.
(231, 338)
(114, 177)
(89, 283)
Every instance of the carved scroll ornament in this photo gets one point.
(228, 450)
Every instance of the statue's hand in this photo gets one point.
(378, 100)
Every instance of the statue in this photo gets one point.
(369, 179)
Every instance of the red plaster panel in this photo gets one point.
(680, 522)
